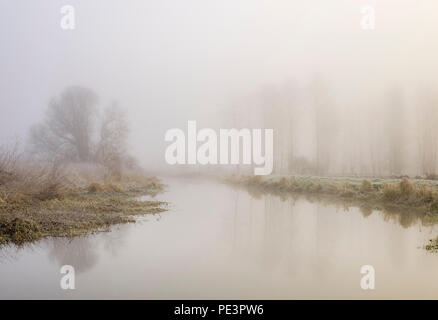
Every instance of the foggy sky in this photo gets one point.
(167, 62)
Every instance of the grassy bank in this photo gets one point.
(408, 201)
(39, 201)
(418, 195)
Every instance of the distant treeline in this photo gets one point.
(388, 136)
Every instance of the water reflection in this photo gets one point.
(320, 240)
(219, 242)
(78, 252)
(83, 252)
(405, 216)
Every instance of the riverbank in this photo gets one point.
(409, 199)
(402, 194)
(64, 209)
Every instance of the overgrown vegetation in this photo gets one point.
(40, 200)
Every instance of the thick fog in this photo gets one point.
(341, 99)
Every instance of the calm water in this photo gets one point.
(219, 242)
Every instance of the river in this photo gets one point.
(217, 242)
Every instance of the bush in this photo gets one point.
(113, 188)
(391, 192)
(366, 186)
(50, 192)
(293, 183)
(347, 190)
(431, 176)
(407, 188)
(95, 187)
(283, 184)
(310, 187)
(426, 193)
(404, 190)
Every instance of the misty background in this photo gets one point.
(342, 100)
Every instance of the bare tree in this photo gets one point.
(427, 132)
(326, 124)
(114, 129)
(66, 131)
(396, 125)
(9, 157)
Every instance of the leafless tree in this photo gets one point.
(396, 127)
(66, 131)
(427, 132)
(111, 148)
(326, 123)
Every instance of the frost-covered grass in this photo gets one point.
(407, 200)
(418, 194)
(45, 201)
(351, 180)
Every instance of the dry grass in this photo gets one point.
(403, 200)
(366, 186)
(432, 246)
(400, 193)
(39, 200)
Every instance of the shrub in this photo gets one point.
(113, 188)
(50, 192)
(283, 184)
(426, 193)
(407, 188)
(293, 183)
(431, 176)
(391, 192)
(347, 190)
(310, 187)
(366, 186)
(95, 187)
